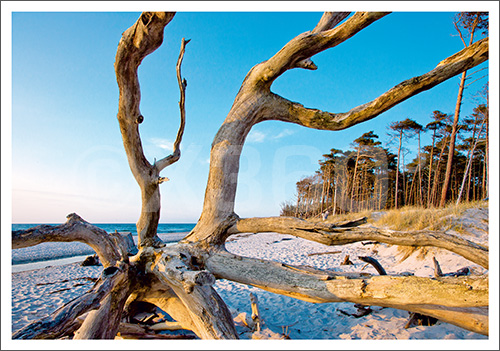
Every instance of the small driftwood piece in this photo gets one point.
(255, 311)
(346, 261)
(437, 268)
(417, 319)
(324, 253)
(166, 326)
(459, 273)
(362, 311)
(374, 263)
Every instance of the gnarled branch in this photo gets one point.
(144, 37)
(329, 20)
(330, 234)
(462, 301)
(108, 248)
(62, 321)
(208, 312)
(288, 111)
(308, 44)
(103, 323)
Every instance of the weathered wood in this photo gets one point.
(75, 229)
(437, 268)
(144, 37)
(63, 321)
(176, 152)
(329, 234)
(254, 302)
(462, 301)
(104, 322)
(207, 310)
(179, 279)
(346, 261)
(378, 267)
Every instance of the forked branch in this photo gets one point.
(288, 111)
(326, 35)
(136, 43)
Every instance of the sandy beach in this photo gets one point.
(35, 293)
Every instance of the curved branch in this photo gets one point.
(311, 43)
(462, 301)
(144, 37)
(288, 111)
(62, 321)
(176, 154)
(329, 20)
(330, 234)
(108, 248)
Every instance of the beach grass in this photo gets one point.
(419, 218)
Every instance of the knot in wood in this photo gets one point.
(139, 119)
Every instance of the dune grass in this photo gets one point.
(414, 218)
(410, 217)
(418, 218)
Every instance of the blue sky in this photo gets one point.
(66, 147)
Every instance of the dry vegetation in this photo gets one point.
(418, 218)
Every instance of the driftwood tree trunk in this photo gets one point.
(179, 278)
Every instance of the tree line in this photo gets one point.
(371, 177)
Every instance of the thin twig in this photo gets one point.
(324, 253)
(176, 153)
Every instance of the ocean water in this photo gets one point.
(53, 252)
(125, 227)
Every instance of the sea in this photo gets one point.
(59, 253)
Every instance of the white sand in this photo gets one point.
(30, 300)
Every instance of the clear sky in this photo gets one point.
(66, 147)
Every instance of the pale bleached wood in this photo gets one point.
(144, 37)
(179, 279)
(329, 20)
(176, 153)
(209, 313)
(76, 228)
(255, 103)
(331, 234)
(64, 321)
(448, 299)
(104, 322)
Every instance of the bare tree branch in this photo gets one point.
(136, 43)
(76, 228)
(62, 321)
(462, 301)
(329, 20)
(288, 111)
(176, 153)
(329, 234)
(104, 322)
(311, 43)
